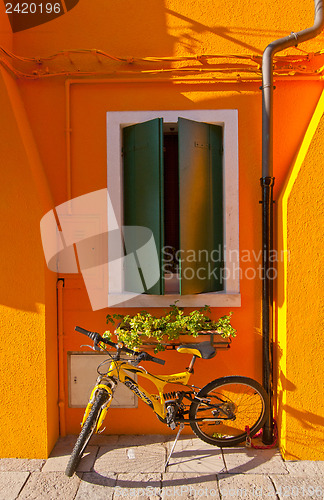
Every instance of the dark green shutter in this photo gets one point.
(201, 207)
(143, 191)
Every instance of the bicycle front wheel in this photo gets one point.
(226, 406)
(87, 431)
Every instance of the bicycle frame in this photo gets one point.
(119, 371)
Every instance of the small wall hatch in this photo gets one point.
(82, 376)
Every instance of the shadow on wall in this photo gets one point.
(304, 431)
(140, 28)
(190, 31)
(22, 261)
(306, 418)
(132, 28)
(31, 15)
(297, 439)
(122, 28)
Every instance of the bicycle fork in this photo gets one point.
(109, 385)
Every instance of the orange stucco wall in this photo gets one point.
(127, 29)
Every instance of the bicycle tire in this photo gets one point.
(241, 395)
(86, 432)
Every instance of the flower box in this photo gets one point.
(215, 338)
(173, 329)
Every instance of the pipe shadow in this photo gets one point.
(307, 419)
(232, 34)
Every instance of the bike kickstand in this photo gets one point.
(173, 446)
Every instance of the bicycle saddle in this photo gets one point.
(203, 350)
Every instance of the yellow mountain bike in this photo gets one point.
(218, 413)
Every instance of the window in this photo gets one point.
(176, 173)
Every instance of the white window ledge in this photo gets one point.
(214, 299)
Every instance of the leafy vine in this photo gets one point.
(174, 323)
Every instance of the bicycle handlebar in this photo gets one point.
(141, 356)
(94, 336)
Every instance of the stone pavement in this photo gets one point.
(133, 467)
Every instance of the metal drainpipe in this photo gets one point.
(267, 182)
(60, 335)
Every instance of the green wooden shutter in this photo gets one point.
(143, 194)
(201, 207)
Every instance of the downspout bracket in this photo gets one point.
(267, 181)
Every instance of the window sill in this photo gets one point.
(215, 299)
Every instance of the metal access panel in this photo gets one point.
(82, 376)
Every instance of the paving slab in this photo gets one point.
(130, 466)
(183, 442)
(189, 485)
(288, 486)
(320, 465)
(68, 440)
(143, 486)
(50, 486)
(251, 461)
(130, 459)
(141, 439)
(21, 464)
(104, 439)
(96, 487)
(247, 486)
(60, 455)
(304, 468)
(193, 455)
(11, 484)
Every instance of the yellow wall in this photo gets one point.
(300, 306)
(37, 161)
(29, 423)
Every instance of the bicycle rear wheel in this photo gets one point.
(228, 405)
(86, 432)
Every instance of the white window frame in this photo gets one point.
(228, 119)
